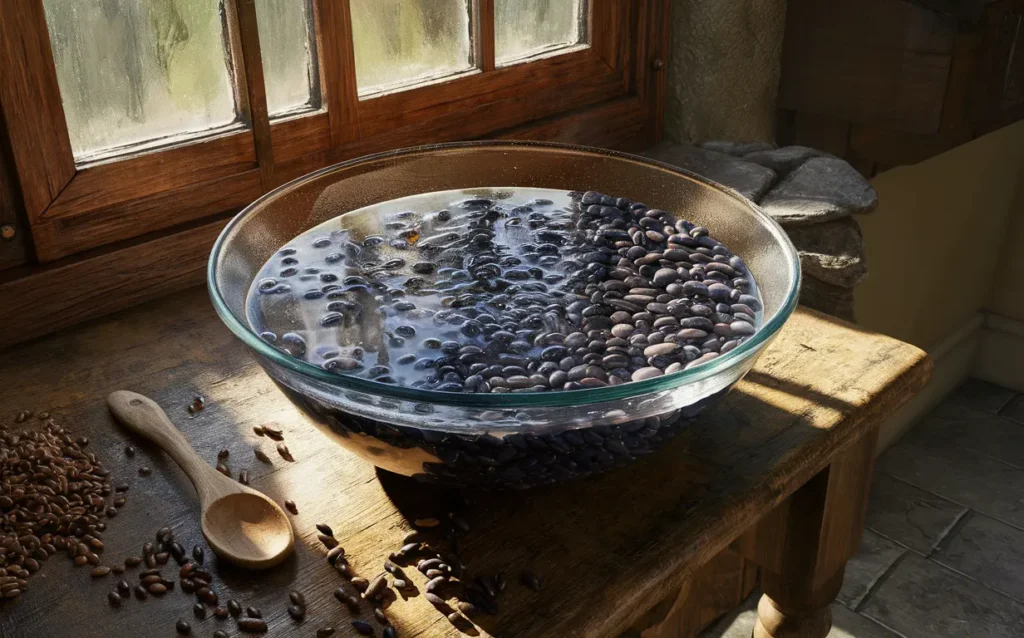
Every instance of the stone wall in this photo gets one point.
(723, 71)
(812, 194)
(723, 78)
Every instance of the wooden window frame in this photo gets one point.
(607, 94)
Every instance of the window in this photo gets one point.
(400, 43)
(288, 50)
(134, 73)
(128, 117)
(527, 28)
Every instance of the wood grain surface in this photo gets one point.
(607, 548)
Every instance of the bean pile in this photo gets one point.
(560, 291)
(52, 498)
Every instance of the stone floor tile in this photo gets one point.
(873, 558)
(989, 551)
(962, 475)
(981, 395)
(910, 515)
(1014, 409)
(922, 598)
(965, 426)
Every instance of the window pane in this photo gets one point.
(134, 71)
(404, 42)
(525, 28)
(288, 50)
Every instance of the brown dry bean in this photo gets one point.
(329, 541)
(435, 600)
(348, 599)
(253, 625)
(360, 583)
(336, 553)
(531, 580)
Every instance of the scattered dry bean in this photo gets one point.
(253, 625)
(329, 541)
(336, 553)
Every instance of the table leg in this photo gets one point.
(803, 544)
(794, 610)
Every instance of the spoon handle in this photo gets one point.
(143, 416)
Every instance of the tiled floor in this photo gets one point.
(943, 552)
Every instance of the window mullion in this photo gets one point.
(485, 34)
(337, 68)
(241, 16)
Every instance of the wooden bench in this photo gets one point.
(779, 471)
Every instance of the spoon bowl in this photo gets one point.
(249, 529)
(241, 525)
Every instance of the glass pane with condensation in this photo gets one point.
(528, 28)
(399, 43)
(288, 49)
(140, 72)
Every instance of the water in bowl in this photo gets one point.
(505, 290)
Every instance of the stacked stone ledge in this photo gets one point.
(812, 194)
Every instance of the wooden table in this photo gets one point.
(778, 470)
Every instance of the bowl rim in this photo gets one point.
(499, 401)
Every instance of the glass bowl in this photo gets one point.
(506, 441)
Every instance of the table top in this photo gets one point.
(606, 548)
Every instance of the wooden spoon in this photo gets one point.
(240, 524)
